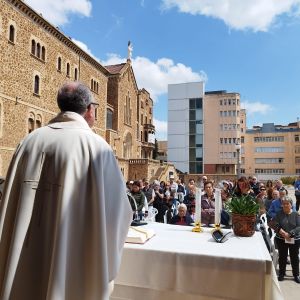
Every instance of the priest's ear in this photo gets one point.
(89, 115)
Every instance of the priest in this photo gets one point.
(62, 227)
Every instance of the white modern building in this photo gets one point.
(185, 126)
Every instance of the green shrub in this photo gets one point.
(289, 180)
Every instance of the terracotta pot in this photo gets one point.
(243, 225)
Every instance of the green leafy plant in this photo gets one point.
(242, 205)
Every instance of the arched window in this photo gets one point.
(109, 119)
(36, 84)
(30, 124)
(76, 74)
(43, 53)
(92, 84)
(38, 121)
(12, 33)
(33, 47)
(38, 50)
(68, 69)
(95, 86)
(59, 64)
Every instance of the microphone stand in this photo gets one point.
(136, 221)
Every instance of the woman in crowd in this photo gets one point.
(208, 204)
(287, 227)
(243, 188)
(182, 218)
(225, 192)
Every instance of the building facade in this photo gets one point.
(223, 128)
(185, 126)
(228, 148)
(36, 59)
(272, 151)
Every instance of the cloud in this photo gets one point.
(155, 76)
(58, 12)
(256, 107)
(85, 48)
(257, 15)
(161, 129)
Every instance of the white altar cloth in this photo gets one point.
(179, 264)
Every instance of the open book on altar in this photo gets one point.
(139, 235)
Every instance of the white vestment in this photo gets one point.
(64, 215)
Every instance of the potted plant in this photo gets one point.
(243, 210)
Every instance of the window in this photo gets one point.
(76, 74)
(264, 139)
(268, 160)
(92, 84)
(12, 33)
(269, 149)
(127, 111)
(109, 119)
(297, 138)
(43, 53)
(36, 84)
(38, 121)
(297, 160)
(221, 102)
(59, 64)
(30, 124)
(68, 69)
(33, 47)
(269, 171)
(297, 171)
(38, 50)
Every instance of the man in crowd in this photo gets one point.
(62, 226)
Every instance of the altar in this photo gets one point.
(179, 264)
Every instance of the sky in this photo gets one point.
(251, 47)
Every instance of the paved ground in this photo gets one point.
(289, 288)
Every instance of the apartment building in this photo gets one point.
(224, 125)
(272, 151)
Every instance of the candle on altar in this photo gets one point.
(218, 206)
(198, 206)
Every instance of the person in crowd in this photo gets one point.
(162, 185)
(286, 224)
(269, 184)
(243, 188)
(261, 197)
(137, 199)
(181, 192)
(62, 228)
(149, 192)
(279, 186)
(271, 195)
(189, 200)
(208, 204)
(190, 184)
(254, 185)
(182, 218)
(225, 192)
(203, 181)
(297, 192)
(159, 202)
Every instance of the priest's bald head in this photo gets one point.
(77, 97)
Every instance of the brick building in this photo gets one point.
(36, 58)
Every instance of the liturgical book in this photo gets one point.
(139, 235)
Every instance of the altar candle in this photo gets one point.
(198, 206)
(218, 205)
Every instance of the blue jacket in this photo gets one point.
(275, 207)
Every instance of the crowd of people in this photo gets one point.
(175, 204)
